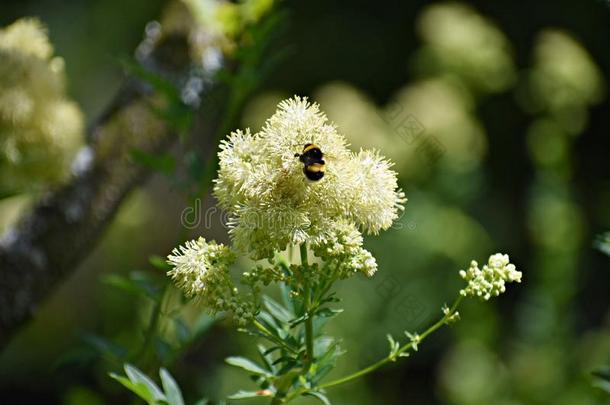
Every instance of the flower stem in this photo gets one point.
(402, 349)
(309, 320)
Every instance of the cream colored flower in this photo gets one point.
(201, 270)
(271, 202)
(197, 264)
(491, 280)
(40, 129)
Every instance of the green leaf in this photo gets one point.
(172, 391)
(250, 394)
(277, 311)
(247, 365)
(137, 388)
(327, 353)
(136, 376)
(272, 326)
(287, 379)
(319, 396)
(288, 365)
(297, 321)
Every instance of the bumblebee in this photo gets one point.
(313, 164)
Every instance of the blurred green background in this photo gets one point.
(497, 116)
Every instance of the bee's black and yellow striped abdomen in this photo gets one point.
(313, 164)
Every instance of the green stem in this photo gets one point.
(403, 349)
(309, 320)
(382, 362)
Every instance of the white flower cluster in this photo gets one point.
(489, 281)
(40, 129)
(262, 185)
(201, 270)
(272, 204)
(344, 252)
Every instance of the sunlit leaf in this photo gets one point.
(137, 388)
(136, 376)
(172, 391)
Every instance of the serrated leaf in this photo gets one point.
(171, 389)
(136, 376)
(247, 365)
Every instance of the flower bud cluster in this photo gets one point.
(490, 281)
